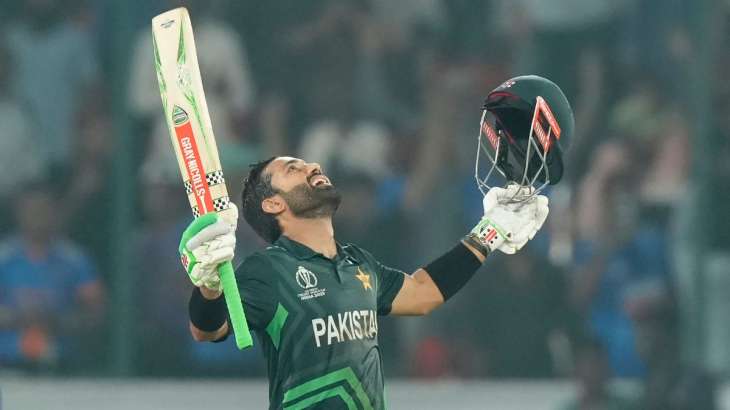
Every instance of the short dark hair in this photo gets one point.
(256, 188)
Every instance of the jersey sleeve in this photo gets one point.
(256, 280)
(389, 283)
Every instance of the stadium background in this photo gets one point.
(627, 285)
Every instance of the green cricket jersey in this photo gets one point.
(317, 321)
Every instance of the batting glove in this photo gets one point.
(508, 224)
(206, 243)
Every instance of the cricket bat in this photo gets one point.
(191, 132)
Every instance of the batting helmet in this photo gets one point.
(529, 124)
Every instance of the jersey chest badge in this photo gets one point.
(364, 278)
(307, 280)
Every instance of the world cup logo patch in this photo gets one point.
(305, 278)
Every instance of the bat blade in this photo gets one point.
(191, 134)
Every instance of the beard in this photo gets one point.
(306, 201)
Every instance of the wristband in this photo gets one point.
(205, 314)
(473, 240)
(452, 270)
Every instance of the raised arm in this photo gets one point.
(419, 294)
(204, 246)
(506, 226)
(206, 243)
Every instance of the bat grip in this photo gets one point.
(235, 307)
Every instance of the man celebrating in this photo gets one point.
(314, 302)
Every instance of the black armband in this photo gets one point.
(225, 336)
(453, 269)
(205, 314)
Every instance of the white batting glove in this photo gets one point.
(507, 224)
(535, 210)
(207, 242)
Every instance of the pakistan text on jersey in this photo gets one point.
(353, 325)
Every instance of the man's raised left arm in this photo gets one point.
(507, 226)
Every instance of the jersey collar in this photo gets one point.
(301, 251)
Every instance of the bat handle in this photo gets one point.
(235, 307)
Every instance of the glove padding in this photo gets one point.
(509, 222)
(206, 243)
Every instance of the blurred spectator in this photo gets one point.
(471, 28)
(575, 50)
(282, 72)
(87, 196)
(56, 74)
(659, 134)
(524, 319)
(396, 41)
(53, 60)
(622, 277)
(657, 40)
(19, 149)
(592, 376)
(362, 147)
(441, 156)
(163, 324)
(322, 45)
(557, 37)
(350, 131)
(51, 301)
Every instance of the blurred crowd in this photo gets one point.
(385, 95)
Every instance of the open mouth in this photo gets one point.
(319, 180)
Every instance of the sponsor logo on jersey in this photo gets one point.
(345, 327)
(307, 280)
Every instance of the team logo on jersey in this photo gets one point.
(364, 278)
(307, 280)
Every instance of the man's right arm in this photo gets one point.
(205, 244)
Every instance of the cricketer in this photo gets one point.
(313, 302)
